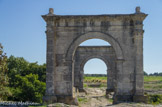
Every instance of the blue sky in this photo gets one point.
(22, 30)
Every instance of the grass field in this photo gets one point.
(153, 82)
(150, 82)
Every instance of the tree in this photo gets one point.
(4, 90)
(26, 80)
(18, 65)
(28, 88)
(145, 73)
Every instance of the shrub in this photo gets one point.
(155, 99)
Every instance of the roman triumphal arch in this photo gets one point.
(66, 32)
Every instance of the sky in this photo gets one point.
(22, 29)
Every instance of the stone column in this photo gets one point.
(81, 81)
(138, 45)
(122, 88)
(110, 87)
(65, 91)
(138, 82)
(138, 38)
(50, 61)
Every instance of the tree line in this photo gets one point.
(105, 75)
(95, 75)
(21, 80)
(153, 74)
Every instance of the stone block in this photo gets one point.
(122, 98)
(139, 91)
(140, 99)
(58, 77)
(49, 88)
(49, 99)
(67, 77)
(139, 85)
(49, 69)
(67, 100)
(49, 77)
(63, 88)
(63, 70)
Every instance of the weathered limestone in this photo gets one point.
(65, 33)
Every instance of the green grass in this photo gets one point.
(110, 100)
(95, 79)
(153, 82)
(150, 82)
(146, 78)
(82, 100)
(152, 78)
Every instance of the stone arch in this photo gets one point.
(91, 35)
(110, 71)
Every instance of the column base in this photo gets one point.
(49, 99)
(122, 98)
(130, 98)
(140, 98)
(67, 100)
(60, 99)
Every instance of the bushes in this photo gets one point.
(28, 88)
(155, 99)
(26, 80)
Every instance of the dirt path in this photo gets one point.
(95, 97)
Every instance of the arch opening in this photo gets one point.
(95, 74)
(95, 66)
(95, 42)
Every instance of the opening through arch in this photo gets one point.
(95, 66)
(104, 53)
(95, 74)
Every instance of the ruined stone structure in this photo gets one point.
(65, 33)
